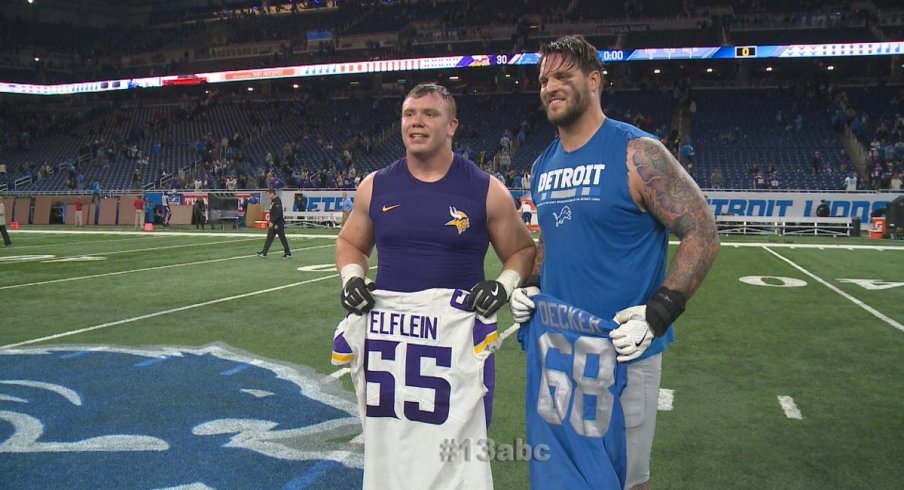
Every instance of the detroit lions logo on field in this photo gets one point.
(211, 417)
(564, 214)
(459, 220)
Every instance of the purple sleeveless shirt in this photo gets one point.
(430, 234)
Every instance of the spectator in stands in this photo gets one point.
(754, 168)
(816, 162)
(715, 179)
(759, 182)
(774, 182)
(895, 184)
(822, 210)
(503, 161)
(95, 192)
(877, 176)
(850, 182)
(6, 240)
(525, 181)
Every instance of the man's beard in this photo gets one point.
(571, 114)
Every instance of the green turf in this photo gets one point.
(738, 346)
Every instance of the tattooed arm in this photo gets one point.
(660, 186)
(538, 259)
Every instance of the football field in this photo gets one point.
(160, 360)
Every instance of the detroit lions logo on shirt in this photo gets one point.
(561, 216)
(459, 220)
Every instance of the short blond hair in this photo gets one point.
(425, 89)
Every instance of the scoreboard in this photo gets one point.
(465, 61)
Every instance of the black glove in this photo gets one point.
(663, 308)
(487, 297)
(356, 297)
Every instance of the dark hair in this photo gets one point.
(424, 89)
(576, 51)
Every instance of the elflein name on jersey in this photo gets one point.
(402, 324)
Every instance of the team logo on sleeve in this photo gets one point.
(459, 220)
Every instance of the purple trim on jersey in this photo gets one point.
(430, 234)
(459, 300)
(489, 380)
(481, 330)
(340, 345)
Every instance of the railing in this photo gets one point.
(761, 225)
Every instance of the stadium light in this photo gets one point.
(657, 71)
(709, 70)
(295, 85)
(31, 2)
(251, 89)
(453, 78)
(605, 72)
(768, 68)
(37, 59)
(830, 67)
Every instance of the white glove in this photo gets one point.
(633, 335)
(521, 305)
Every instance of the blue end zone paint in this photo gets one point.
(256, 443)
(307, 478)
(73, 355)
(235, 370)
(151, 362)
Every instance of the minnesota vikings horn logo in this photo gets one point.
(459, 220)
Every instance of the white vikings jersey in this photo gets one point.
(417, 362)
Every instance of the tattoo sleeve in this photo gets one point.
(538, 260)
(674, 199)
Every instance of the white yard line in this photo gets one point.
(166, 247)
(144, 269)
(338, 374)
(666, 399)
(841, 293)
(789, 407)
(83, 242)
(164, 312)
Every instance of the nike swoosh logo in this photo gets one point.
(390, 208)
(637, 344)
(495, 290)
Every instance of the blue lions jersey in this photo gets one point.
(603, 253)
(572, 403)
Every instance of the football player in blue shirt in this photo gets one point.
(607, 195)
